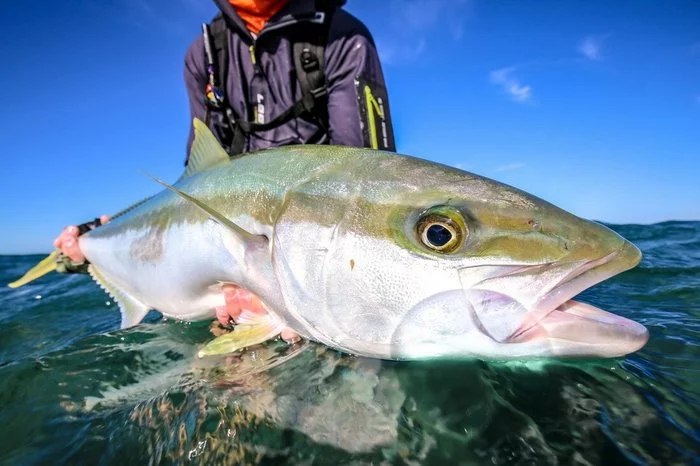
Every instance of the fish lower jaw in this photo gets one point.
(564, 327)
(576, 329)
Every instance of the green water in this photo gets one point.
(74, 390)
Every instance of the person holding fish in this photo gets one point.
(270, 73)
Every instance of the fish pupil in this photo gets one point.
(438, 235)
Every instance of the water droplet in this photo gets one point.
(198, 450)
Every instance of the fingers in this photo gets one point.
(68, 244)
(223, 316)
(250, 302)
(290, 336)
(238, 299)
(232, 308)
(71, 249)
(67, 241)
(70, 231)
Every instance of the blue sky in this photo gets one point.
(594, 106)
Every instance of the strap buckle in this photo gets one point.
(319, 92)
(309, 61)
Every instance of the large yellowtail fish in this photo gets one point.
(368, 252)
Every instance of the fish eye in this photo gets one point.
(438, 235)
(442, 230)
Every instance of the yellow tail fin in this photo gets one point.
(48, 264)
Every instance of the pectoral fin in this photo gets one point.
(240, 242)
(48, 264)
(133, 311)
(253, 329)
(242, 234)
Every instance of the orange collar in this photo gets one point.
(255, 13)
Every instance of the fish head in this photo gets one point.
(415, 260)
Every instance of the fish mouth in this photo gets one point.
(571, 328)
(576, 329)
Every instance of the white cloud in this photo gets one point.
(505, 79)
(416, 15)
(509, 79)
(404, 36)
(151, 15)
(392, 52)
(591, 46)
(510, 166)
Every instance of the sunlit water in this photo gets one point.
(75, 390)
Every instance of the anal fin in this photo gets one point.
(133, 311)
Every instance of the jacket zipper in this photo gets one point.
(318, 17)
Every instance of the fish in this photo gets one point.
(371, 253)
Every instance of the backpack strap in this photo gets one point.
(219, 34)
(310, 64)
(217, 54)
(308, 54)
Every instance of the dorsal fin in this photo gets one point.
(206, 151)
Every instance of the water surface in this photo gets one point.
(74, 389)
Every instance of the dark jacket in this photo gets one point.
(350, 61)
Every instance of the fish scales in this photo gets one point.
(368, 252)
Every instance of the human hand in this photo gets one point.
(237, 299)
(67, 242)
